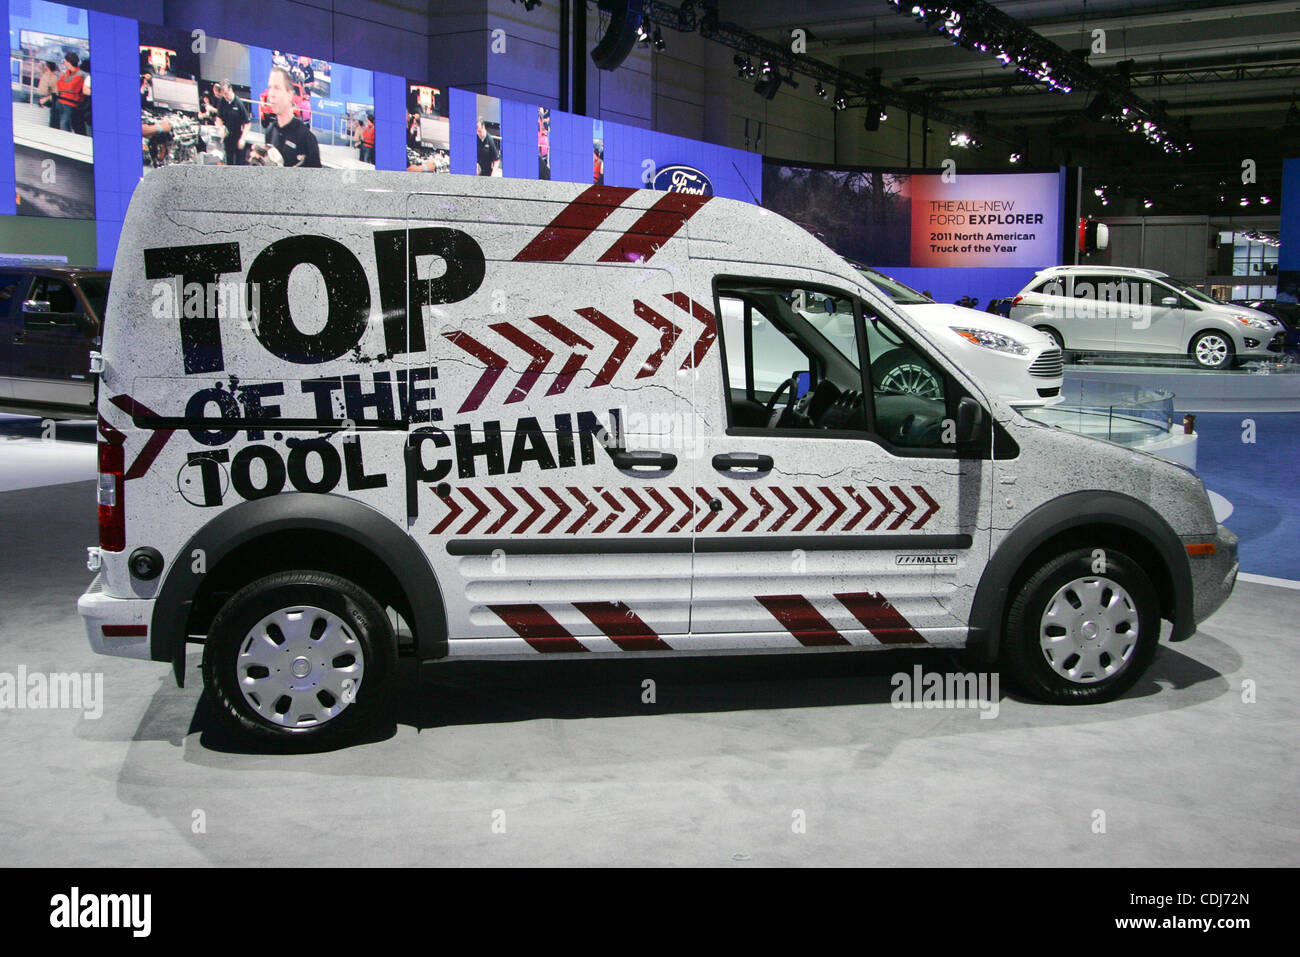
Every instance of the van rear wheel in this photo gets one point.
(1082, 629)
(299, 656)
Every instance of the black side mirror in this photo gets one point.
(970, 415)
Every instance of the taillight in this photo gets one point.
(112, 510)
(1016, 300)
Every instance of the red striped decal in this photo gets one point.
(802, 620)
(839, 509)
(665, 509)
(564, 509)
(885, 503)
(863, 509)
(910, 507)
(690, 510)
(590, 510)
(125, 631)
(741, 509)
(668, 334)
(534, 624)
(511, 510)
(707, 337)
(575, 361)
(481, 510)
(766, 506)
(613, 516)
(111, 435)
(573, 224)
(881, 618)
(642, 510)
(495, 366)
(816, 509)
(622, 626)
(790, 509)
(540, 355)
(709, 513)
(152, 448)
(625, 337)
(656, 226)
(453, 512)
(537, 509)
(931, 506)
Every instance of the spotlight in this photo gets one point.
(1265, 200)
(1245, 201)
(1013, 158)
(1147, 204)
(875, 113)
(1099, 191)
(841, 101)
(820, 90)
(658, 41)
(642, 35)
(744, 66)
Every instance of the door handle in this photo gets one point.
(642, 459)
(730, 461)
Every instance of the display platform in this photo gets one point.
(1257, 386)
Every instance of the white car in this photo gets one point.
(1022, 366)
(1122, 309)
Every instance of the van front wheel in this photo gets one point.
(1083, 628)
(299, 656)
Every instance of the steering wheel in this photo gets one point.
(789, 385)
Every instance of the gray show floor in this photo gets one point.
(563, 764)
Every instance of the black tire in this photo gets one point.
(359, 624)
(1228, 355)
(1056, 336)
(890, 370)
(1030, 667)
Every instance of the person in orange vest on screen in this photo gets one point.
(368, 139)
(71, 86)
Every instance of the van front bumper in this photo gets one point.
(116, 626)
(1213, 576)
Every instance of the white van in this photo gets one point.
(344, 418)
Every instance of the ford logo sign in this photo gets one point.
(683, 179)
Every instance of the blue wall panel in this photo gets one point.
(518, 140)
(463, 106)
(390, 121)
(571, 158)
(1288, 256)
(115, 105)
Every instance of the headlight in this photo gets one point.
(992, 340)
(1257, 323)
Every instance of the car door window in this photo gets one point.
(58, 294)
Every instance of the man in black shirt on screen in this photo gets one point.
(286, 132)
(233, 116)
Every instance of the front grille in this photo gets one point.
(1049, 365)
(1278, 342)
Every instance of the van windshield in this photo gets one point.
(895, 290)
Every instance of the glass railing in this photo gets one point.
(1127, 414)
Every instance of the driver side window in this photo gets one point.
(791, 358)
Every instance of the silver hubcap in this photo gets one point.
(1089, 630)
(910, 379)
(1211, 351)
(300, 666)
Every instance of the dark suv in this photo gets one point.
(51, 318)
